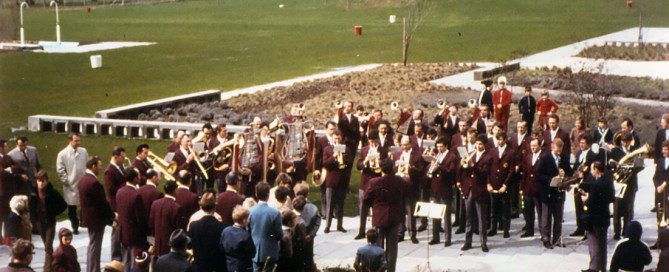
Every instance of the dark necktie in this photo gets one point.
(26, 156)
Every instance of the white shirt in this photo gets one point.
(520, 139)
(478, 155)
(170, 197)
(666, 163)
(581, 159)
(441, 156)
(71, 165)
(117, 168)
(501, 150)
(382, 139)
(553, 133)
(330, 140)
(535, 157)
(453, 119)
(184, 151)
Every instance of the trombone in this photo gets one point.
(163, 166)
(465, 161)
(199, 165)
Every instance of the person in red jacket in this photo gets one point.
(501, 99)
(545, 107)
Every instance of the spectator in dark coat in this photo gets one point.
(65, 257)
(632, 254)
(18, 222)
(286, 262)
(205, 234)
(266, 232)
(663, 244)
(22, 254)
(236, 242)
(45, 204)
(370, 257)
(177, 259)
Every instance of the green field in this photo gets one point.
(239, 43)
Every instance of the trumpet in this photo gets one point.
(402, 169)
(441, 104)
(199, 165)
(301, 107)
(126, 163)
(373, 161)
(338, 104)
(433, 167)
(471, 103)
(339, 156)
(394, 105)
(168, 169)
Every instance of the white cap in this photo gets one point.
(501, 80)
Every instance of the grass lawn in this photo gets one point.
(246, 42)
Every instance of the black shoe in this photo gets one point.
(433, 242)
(422, 228)
(506, 234)
(466, 247)
(459, 231)
(654, 246)
(654, 209)
(414, 240)
(559, 244)
(526, 234)
(492, 233)
(484, 248)
(400, 239)
(515, 216)
(524, 228)
(447, 244)
(577, 232)
(341, 229)
(76, 232)
(616, 237)
(326, 230)
(359, 236)
(548, 245)
(589, 270)
(476, 232)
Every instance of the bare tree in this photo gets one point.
(590, 92)
(418, 11)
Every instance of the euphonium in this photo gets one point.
(624, 171)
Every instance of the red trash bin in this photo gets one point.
(629, 4)
(358, 30)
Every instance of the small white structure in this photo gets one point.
(22, 31)
(392, 19)
(57, 21)
(96, 61)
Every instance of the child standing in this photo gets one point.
(65, 256)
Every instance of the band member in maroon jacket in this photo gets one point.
(385, 135)
(367, 172)
(174, 146)
(350, 131)
(165, 217)
(141, 164)
(552, 165)
(418, 137)
(96, 212)
(215, 145)
(443, 170)
(132, 222)
(114, 180)
(149, 191)
(448, 124)
(503, 165)
(529, 188)
(554, 131)
(336, 184)
(520, 144)
(186, 198)
(475, 174)
(411, 160)
(470, 145)
(539, 135)
(479, 122)
(321, 143)
(384, 194)
(460, 138)
(226, 201)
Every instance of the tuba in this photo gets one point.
(624, 170)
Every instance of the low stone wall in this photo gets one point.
(132, 111)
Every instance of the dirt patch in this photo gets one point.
(646, 53)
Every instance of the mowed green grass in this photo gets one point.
(240, 43)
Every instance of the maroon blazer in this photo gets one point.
(529, 185)
(444, 177)
(456, 141)
(480, 125)
(149, 194)
(8, 180)
(414, 141)
(350, 130)
(385, 194)
(388, 142)
(417, 167)
(563, 135)
(65, 259)
(133, 226)
(367, 173)
(187, 200)
(96, 212)
(475, 179)
(321, 143)
(181, 160)
(166, 216)
(446, 126)
(225, 203)
(113, 180)
(502, 168)
(335, 177)
(173, 147)
(142, 167)
(522, 149)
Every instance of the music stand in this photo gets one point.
(431, 211)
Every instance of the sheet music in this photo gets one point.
(620, 189)
(198, 147)
(462, 151)
(428, 144)
(340, 148)
(394, 149)
(430, 210)
(556, 181)
(169, 157)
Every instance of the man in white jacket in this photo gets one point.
(71, 164)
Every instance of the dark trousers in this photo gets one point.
(578, 209)
(220, 185)
(74, 218)
(501, 212)
(424, 197)
(597, 246)
(388, 236)
(529, 118)
(456, 202)
(364, 212)
(47, 231)
(531, 205)
(447, 219)
(266, 266)
(514, 194)
(335, 198)
(128, 256)
(477, 213)
(551, 217)
(94, 247)
(116, 245)
(324, 202)
(623, 208)
(462, 212)
(409, 218)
